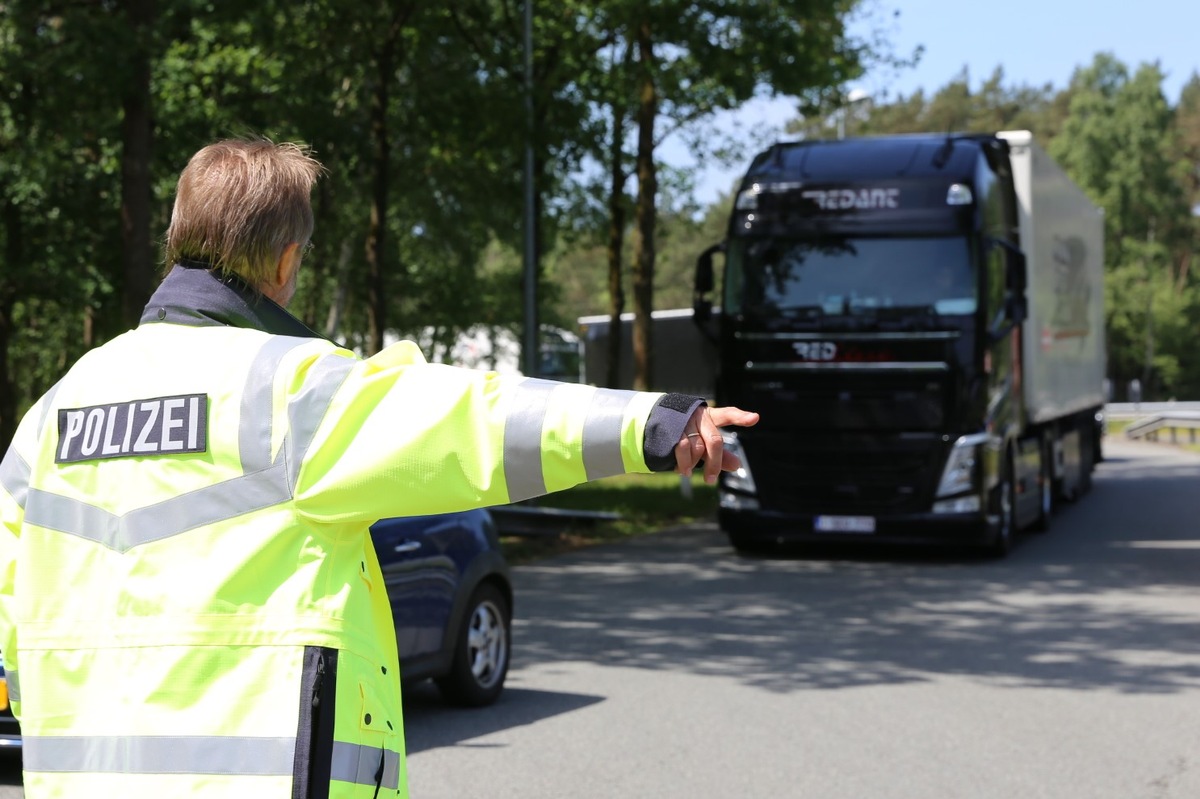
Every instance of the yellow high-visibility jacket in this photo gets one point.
(190, 603)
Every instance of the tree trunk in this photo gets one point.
(137, 138)
(616, 243)
(13, 255)
(341, 276)
(377, 261)
(8, 391)
(643, 271)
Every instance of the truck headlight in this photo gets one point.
(962, 467)
(968, 504)
(741, 480)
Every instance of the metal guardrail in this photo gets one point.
(1149, 426)
(1127, 410)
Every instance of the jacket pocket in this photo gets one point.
(379, 726)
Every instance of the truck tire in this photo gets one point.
(1046, 488)
(1087, 455)
(745, 545)
(1006, 508)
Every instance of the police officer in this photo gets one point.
(190, 604)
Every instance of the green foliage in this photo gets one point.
(1120, 144)
(448, 151)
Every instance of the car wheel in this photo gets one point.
(481, 652)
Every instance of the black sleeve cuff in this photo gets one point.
(665, 427)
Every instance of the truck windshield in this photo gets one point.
(845, 275)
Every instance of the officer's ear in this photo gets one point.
(282, 284)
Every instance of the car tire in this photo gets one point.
(481, 653)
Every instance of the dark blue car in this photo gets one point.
(452, 600)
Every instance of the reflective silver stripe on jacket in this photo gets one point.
(261, 485)
(14, 685)
(254, 440)
(523, 439)
(200, 754)
(602, 429)
(360, 765)
(602, 433)
(14, 477)
(170, 517)
(159, 754)
(47, 404)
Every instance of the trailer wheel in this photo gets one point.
(1087, 457)
(1045, 485)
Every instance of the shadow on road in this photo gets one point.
(1106, 599)
(429, 723)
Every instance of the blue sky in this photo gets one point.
(1035, 41)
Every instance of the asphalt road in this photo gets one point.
(670, 667)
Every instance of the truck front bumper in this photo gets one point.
(762, 527)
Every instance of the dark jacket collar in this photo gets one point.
(192, 294)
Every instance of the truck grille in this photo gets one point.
(846, 474)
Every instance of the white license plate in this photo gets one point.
(845, 524)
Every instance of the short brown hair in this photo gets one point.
(239, 203)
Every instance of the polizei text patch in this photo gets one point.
(158, 426)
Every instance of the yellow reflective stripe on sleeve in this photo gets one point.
(361, 765)
(602, 432)
(523, 439)
(14, 686)
(14, 477)
(159, 754)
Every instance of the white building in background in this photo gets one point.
(499, 349)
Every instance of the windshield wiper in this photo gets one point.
(905, 316)
(803, 311)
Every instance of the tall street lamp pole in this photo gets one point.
(530, 348)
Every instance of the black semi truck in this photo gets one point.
(919, 320)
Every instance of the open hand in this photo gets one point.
(702, 441)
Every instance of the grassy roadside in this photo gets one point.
(645, 502)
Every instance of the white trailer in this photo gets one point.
(1062, 235)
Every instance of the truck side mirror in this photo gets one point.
(704, 270)
(703, 284)
(1017, 309)
(1018, 303)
